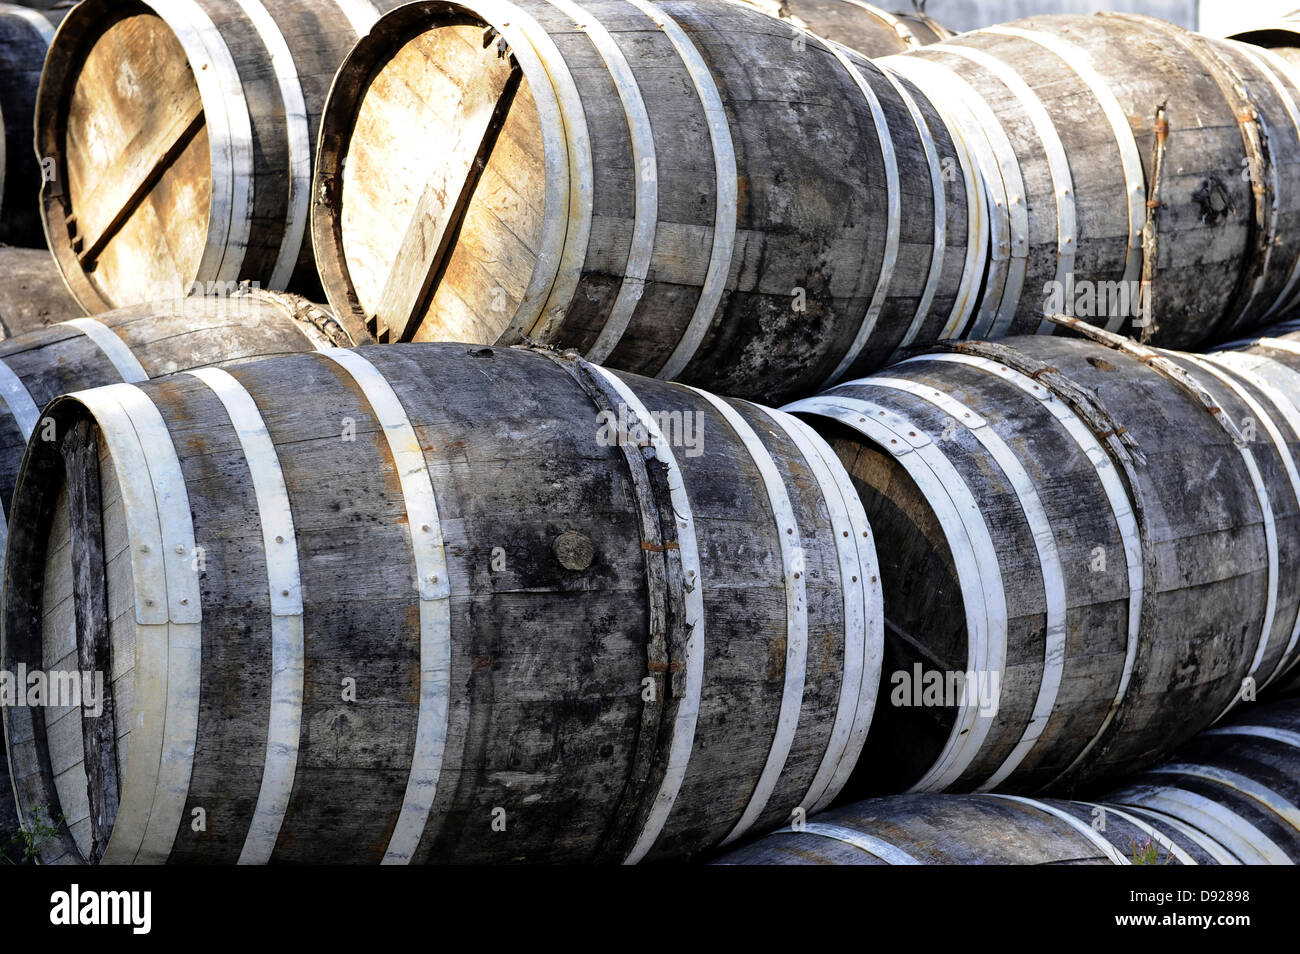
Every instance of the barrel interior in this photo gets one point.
(925, 618)
(58, 584)
(442, 183)
(129, 216)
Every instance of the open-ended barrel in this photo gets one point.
(1094, 553)
(180, 139)
(24, 37)
(675, 189)
(1141, 177)
(32, 292)
(1227, 797)
(435, 602)
(871, 30)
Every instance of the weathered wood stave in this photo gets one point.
(183, 139)
(650, 276)
(871, 30)
(543, 705)
(25, 35)
(1070, 111)
(1127, 589)
(1228, 797)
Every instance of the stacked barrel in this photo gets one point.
(476, 563)
(1228, 798)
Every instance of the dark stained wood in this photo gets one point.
(32, 294)
(80, 449)
(869, 29)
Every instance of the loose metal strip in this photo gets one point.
(1239, 783)
(1049, 560)
(890, 854)
(1164, 841)
(894, 213)
(974, 556)
(725, 205)
(863, 613)
(1109, 850)
(1057, 162)
(645, 177)
(230, 138)
(796, 604)
(297, 134)
(683, 732)
(1079, 60)
(284, 585)
(1236, 834)
(434, 589)
(1116, 496)
(113, 347)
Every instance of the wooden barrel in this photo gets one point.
(24, 37)
(1124, 188)
(32, 292)
(871, 30)
(1281, 36)
(928, 829)
(1094, 550)
(133, 344)
(676, 190)
(1228, 797)
(433, 602)
(1237, 783)
(181, 136)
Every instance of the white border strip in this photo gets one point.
(113, 347)
(890, 854)
(19, 401)
(726, 201)
(796, 610)
(434, 589)
(284, 586)
(298, 135)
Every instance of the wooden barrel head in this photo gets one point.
(450, 180)
(130, 210)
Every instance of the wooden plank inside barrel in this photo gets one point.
(181, 137)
